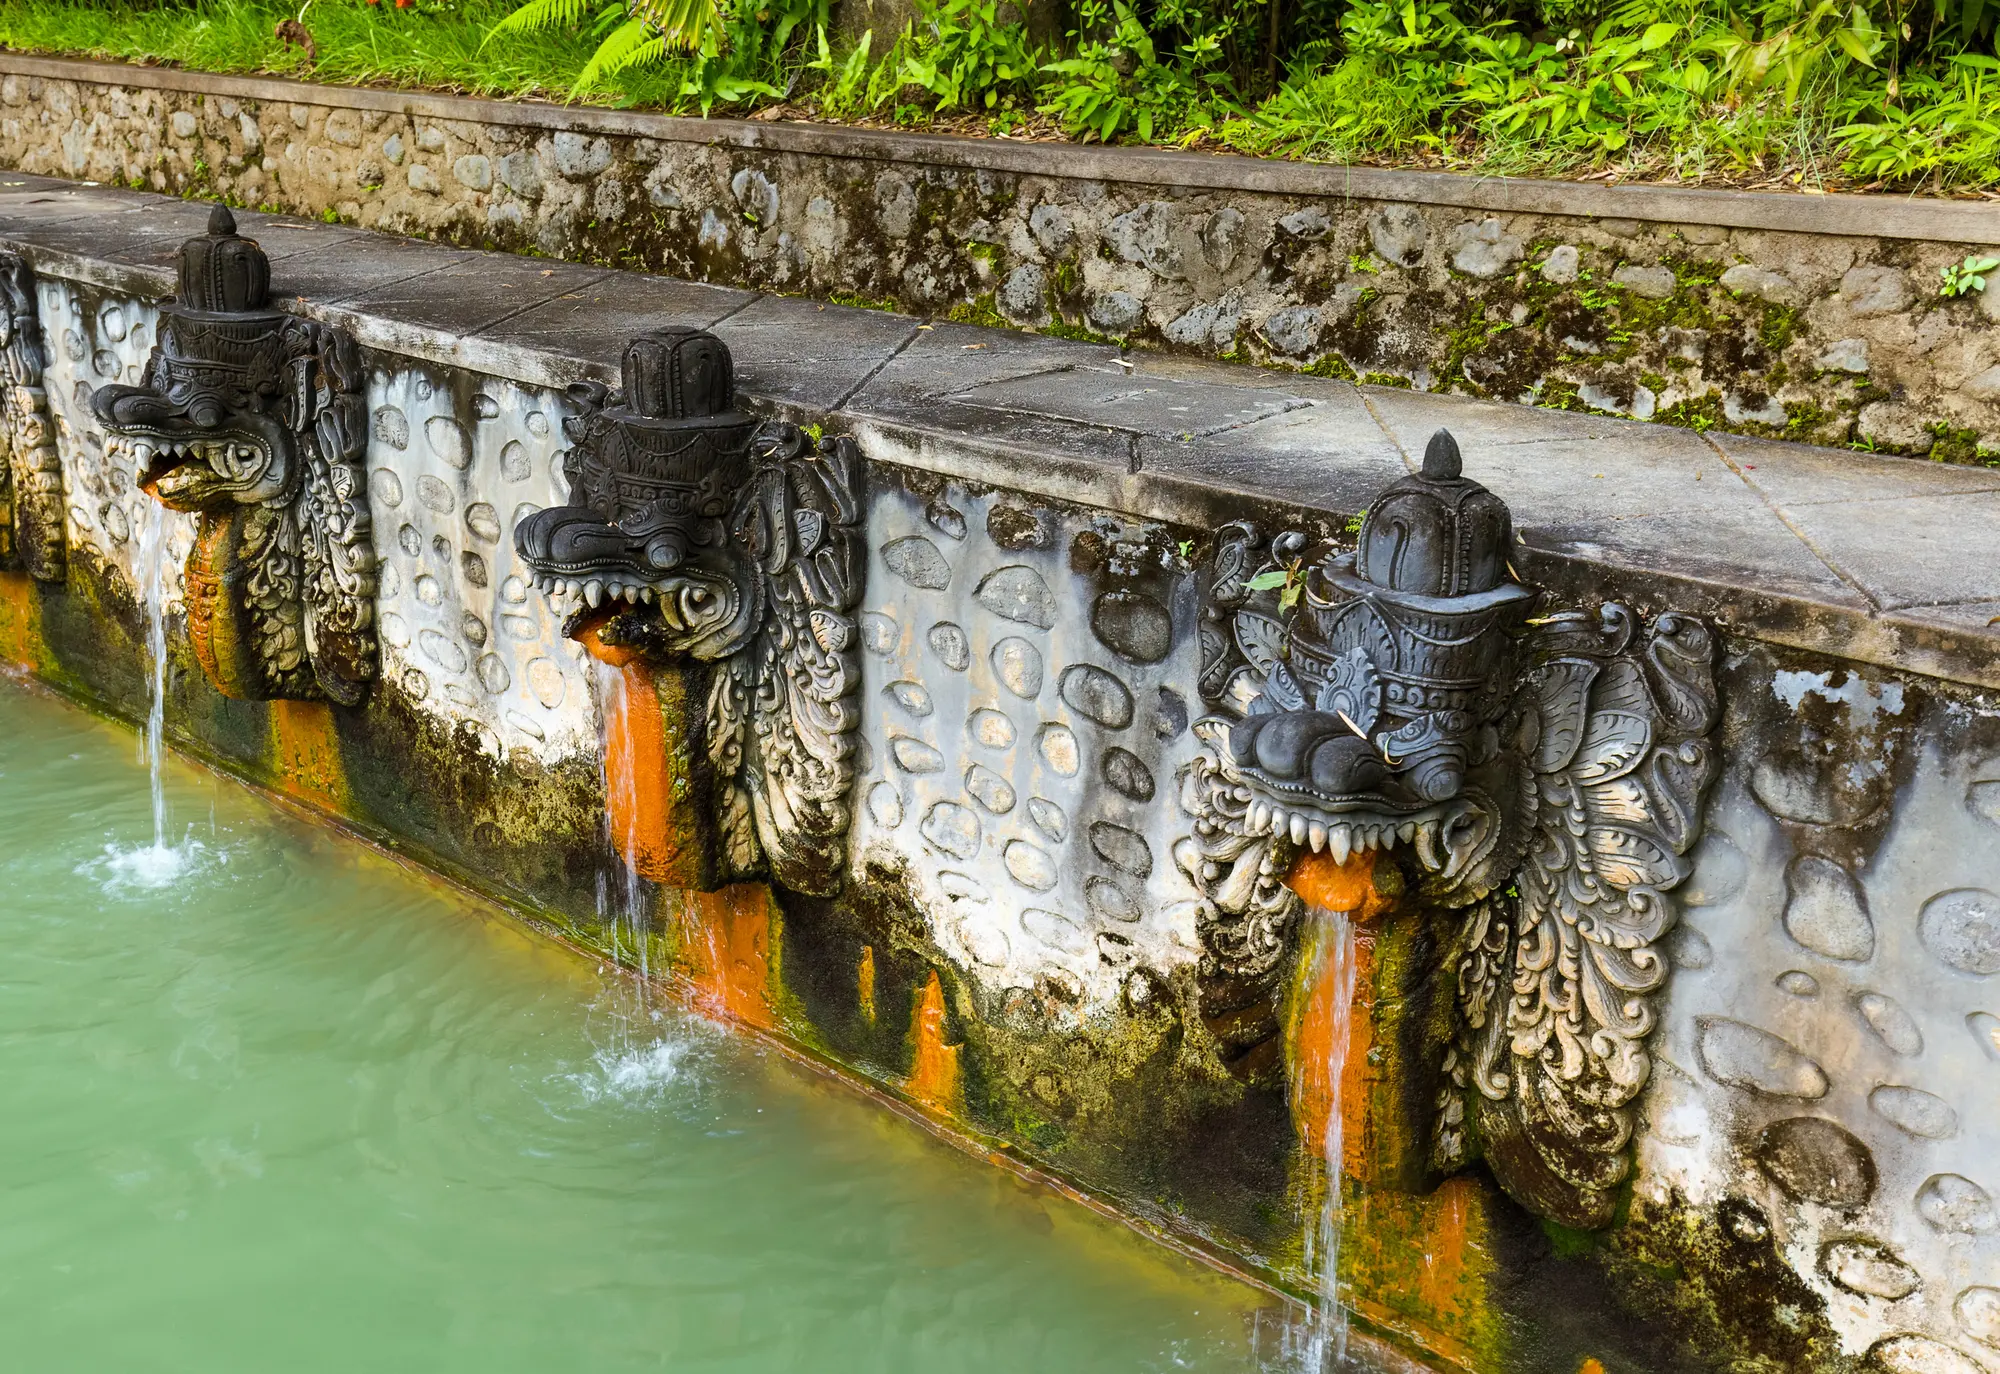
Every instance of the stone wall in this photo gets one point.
(1813, 318)
(1023, 949)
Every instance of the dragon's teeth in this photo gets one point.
(1388, 838)
(1407, 830)
(1317, 834)
(593, 592)
(646, 595)
(631, 596)
(1340, 843)
(1259, 818)
(1298, 830)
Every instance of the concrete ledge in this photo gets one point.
(1876, 560)
(1911, 217)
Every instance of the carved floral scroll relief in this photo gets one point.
(1545, 776)
(696, 534)
(255, 421)
(31, 481)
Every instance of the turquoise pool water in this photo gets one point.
(274, 1103)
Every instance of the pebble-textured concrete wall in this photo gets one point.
(1027, 679)
(1828, 1065)
(1832, 337)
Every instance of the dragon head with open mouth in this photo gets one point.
(254, 420)
(694, 532)
(1542, 776)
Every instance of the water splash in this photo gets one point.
(642, 1052)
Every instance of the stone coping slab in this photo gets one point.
(1881, 216)
(1886, 561)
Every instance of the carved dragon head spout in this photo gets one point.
(695, 533)
(655, 471)
(1377, 721)
(1543, 778)
(207, 421)
(254, 419)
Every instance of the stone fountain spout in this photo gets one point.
(255, 421)
(1540, 778)
(696, 535)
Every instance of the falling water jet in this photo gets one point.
(1321, 1032)
(153, 577)
(619, 747)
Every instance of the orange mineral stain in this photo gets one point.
(864, 979)
(933, 1080)
(1590, 1366)
(1345, 887)
(640, 766)
(726, 951)
(1423, 1266)
(20, 620)
(305, 751)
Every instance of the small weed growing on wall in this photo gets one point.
(1964, 278)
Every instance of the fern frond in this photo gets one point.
(538, 15)
(631, 44)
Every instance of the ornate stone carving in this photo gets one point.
(695, 533)
(31, 487)
(1544, 777)
(256, 421)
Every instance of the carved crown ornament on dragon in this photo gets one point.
(696, 534)
(255, 420)
(1543, 775)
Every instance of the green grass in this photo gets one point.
(1409, 86)
(436, 46)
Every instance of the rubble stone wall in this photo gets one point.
(1812, 318)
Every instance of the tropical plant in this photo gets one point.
(1125, 86)
(964, 54)
(630, 33)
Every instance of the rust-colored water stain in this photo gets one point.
(1346, 887)
(726, 950)
(20, 620)
(203, 593)
(864, 978)
(933, 1080)
(305, 754)
(1333, 886)
(639, 778)
(1590, 1366)
(1423, 1266)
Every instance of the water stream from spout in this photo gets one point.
(621, 894)
(153, 589)
(1332, 998)
(1316, 1342)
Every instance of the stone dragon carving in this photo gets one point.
(1543, 777)
(31, 480)
(695, 533)
(256, 421)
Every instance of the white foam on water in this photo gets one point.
(131, 868)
